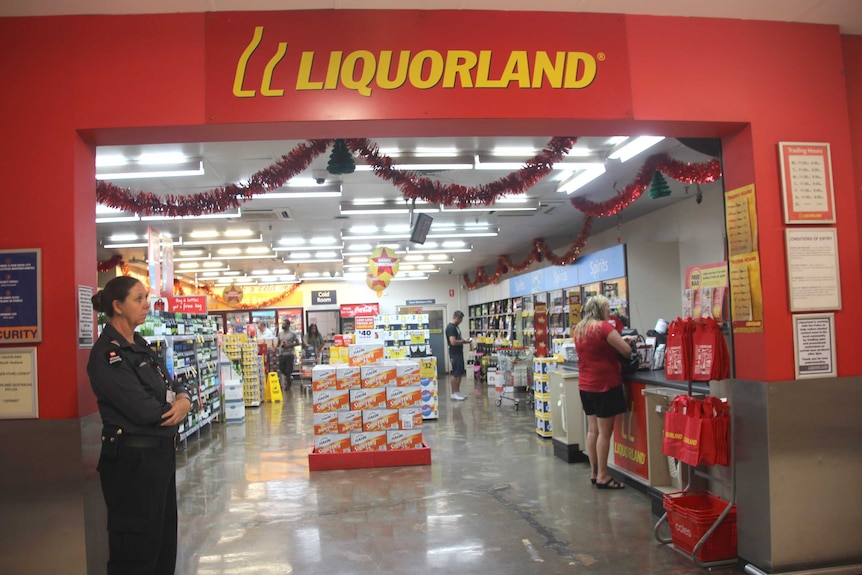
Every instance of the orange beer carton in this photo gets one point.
(377, 375)
(347, 377)
(332, 443)
(361, 399)
(407, 373)
(380, 419)
(398, 397)
(368, 441)
(322, 377)
(330, 400)
(410, 417)
(349, 421)
(364, 354)
(325, 422)
(404, 439)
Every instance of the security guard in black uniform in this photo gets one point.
(141, 409)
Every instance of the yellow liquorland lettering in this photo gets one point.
(266, 83)
(517, 68)
(580, 70)
(332, 70)
(459, 63)
(303, 77)
(384, 70)
(484, 70)
(543, 68)
(241, 65)
(435, 69)
(348, 71)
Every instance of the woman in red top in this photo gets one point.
(600, 382)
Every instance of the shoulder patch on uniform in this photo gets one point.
(115, 342)
(113, 357)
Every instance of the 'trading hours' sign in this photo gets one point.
(322, 297)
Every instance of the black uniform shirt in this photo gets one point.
(130, 384)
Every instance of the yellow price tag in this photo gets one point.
(417, 337)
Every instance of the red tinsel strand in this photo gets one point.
(681, 171)
(416, 187)
(108, 265)
(540, 249)
(218, 199)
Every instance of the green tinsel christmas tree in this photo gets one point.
(340, 160)
(658, 188)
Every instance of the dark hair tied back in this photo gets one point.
(117, 289)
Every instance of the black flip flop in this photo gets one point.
(593, 480)
(611, 484)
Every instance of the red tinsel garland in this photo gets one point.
(207, 289)
(681, 171)
(108, 265)
(415, 187)
(218, 199)
(540, 250)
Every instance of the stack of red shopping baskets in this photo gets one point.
(690, 514)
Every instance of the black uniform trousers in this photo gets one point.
(139, 487)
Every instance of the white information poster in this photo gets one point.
(814, 345)
(18, 391)
(812, 269)
(86, 317)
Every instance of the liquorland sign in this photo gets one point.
(363, 64)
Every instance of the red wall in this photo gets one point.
(73, 82)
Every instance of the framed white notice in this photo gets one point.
(814, 345)
(813, 276)
(806, 182)
(19, 397)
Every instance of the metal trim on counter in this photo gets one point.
(657, 377)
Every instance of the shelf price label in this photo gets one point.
(366, 335)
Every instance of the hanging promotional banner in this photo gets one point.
(160, 257)
(360, 309)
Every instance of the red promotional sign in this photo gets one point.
(188, 304)
(630, 440)
(360, 309)
(376, 64)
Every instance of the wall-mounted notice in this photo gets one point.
(806, 183)
(812, 269)
(746, 294)
(86, 317)
(18, 391)
(20, 296)
(814, 345)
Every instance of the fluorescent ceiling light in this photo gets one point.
(189, 265)
(129, 245)
(311, 261)
(454, 244)
(582, 179)
(530, 205)
(387, 208)
(300, 255)
(635, 147)
(138, 170)
(427, 152)
(414, 258)
(204, 234)
(260, 272)
(213, 264)
(229, 251)
(363, 229)
(307, 248)
(103, 209)
(191, 253)
(395, 228)
(241, 233)
(311, 275)
(164, 158)
(110, 160)
(255, 240)
(257, 250)
(123, 237)
(223, 215)
(291, 241)
(296, 195)
(322, 241)
(117, 220)
(211, 274)
(357, 260)
(325, 255)
(466, 234)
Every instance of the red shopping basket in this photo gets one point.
(690, 514)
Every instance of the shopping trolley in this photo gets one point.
(515, 365)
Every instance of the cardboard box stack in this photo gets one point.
(542, 394)
(428, 387)
(234, 407)
(252, 374)
(369, 407)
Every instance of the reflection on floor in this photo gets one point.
(494, 500)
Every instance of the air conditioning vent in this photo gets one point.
(252, 215)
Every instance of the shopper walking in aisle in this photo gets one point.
(141, 409)
(600, 383)
(287, 341)
(313, 340)
(456, 354)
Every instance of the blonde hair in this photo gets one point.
(593, 314)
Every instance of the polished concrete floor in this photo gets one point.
(493, 500)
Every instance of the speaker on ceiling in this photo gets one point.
(421, 228)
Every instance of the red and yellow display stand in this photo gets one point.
(366, 459)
